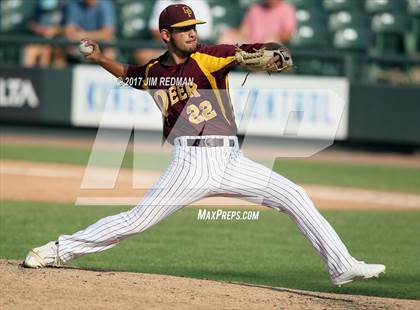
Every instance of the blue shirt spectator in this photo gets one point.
(94, 19)
(46, 22)
(48, 13)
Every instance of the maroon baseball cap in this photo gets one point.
(177, 15)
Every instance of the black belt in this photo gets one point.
(209, 142)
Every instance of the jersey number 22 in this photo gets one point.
(204, 112)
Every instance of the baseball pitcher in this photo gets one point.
(191, 89)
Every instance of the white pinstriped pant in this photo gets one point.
(198, 172)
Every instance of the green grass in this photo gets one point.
(385, 178)
(375, 177)
(80, 156)
(269, 251)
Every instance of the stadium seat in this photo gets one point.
(224, 17)
(378, 6)
(388, 45)
(333, 68)
(307, 66)
(339, 5)
(306, 4)
(10, 54)
(14, 14)
(413, 7)
(309, 35)
(244, 4)
(390, 23)
(390, 32)
(133, 17)
(317, 65)
(352, 38)
(343, 19)
(413, 36)
(305, 16)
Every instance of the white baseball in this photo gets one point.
(85, 49)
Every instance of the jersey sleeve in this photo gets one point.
(221, 56)
(135, 76)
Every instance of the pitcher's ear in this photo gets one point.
(165, 35)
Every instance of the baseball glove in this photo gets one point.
(258, 60)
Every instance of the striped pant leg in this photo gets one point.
(256, 182)
(182, 184)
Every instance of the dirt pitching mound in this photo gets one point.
(71, 288)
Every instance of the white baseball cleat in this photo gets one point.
(359, 271)
(43, 256)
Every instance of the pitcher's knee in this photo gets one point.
(292, 196)
(300, 190)
(134, 222)
(138, 219)
(299, 195)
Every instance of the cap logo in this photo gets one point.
(187, 11)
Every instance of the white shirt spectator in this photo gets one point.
(201, 9)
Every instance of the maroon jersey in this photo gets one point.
(193, 96)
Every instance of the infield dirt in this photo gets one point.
(71, 288)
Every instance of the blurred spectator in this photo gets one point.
(205, 31)
(93, 19)
(399, 76)
(268, 21)
(45, 22)
(414, 74)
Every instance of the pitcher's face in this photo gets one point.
(184, 38)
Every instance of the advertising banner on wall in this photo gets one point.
(276, 105)
(34, 95)
(98, 99)
(20, 94)
(293, 106)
